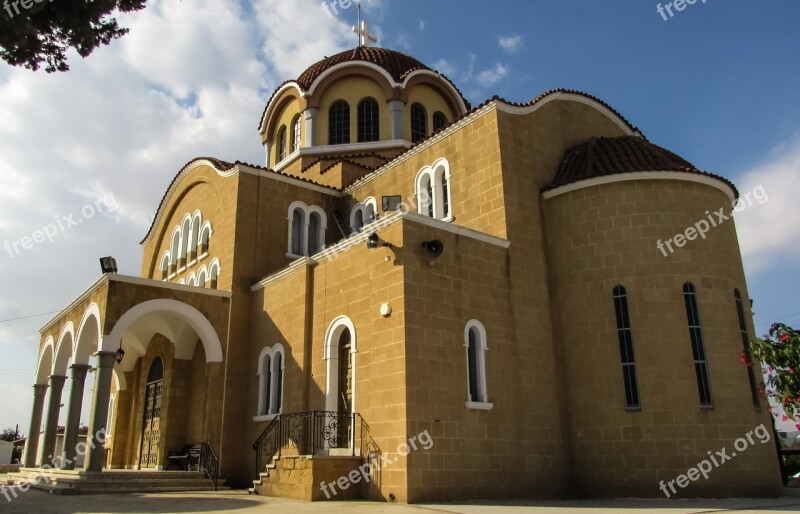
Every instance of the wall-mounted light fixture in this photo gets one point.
(108, 265)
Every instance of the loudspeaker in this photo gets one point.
(433, 249)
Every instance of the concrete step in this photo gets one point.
(79, 482)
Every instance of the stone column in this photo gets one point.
(51, 420)
(396, 108)
(32, 443)
(69, 454)
(311, 117)
(99, 414)
(268, 152)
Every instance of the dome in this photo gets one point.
(396, 64)
(603, 156)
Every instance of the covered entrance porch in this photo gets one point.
(154, 352)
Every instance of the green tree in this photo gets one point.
(11, 435)
(779, 352)
(36, 32)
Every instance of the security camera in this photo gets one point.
(433, 249)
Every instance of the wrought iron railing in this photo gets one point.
(371, 453)
(307, 433)
(209, 463)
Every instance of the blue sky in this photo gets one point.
(718, 84)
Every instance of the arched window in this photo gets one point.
(475, 344)
(433, 191)
(746, 345)
(192, 280)
(357, 218)
(314, 223)
(371, 212)
(282, 143)
(368, 121)
(176, 249)
(165, 266)
(296, 133)
(439, 121)
(205, 238)
(698, 349)
(201, 277)
(194, 236)
(186, 229)
(297, 231)
(213, 274)
(271, 365)
(339, 123)
(625, 337)
(419, 123)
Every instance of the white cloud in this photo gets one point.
(492, 76)
(771, 230)
(190, 79)
(421, 25)
(511, 44)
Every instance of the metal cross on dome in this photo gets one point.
(364, 37)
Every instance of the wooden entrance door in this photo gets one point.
(151, 434)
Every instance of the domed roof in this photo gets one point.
(599, 157)
(397, 64)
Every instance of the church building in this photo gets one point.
(414, 299)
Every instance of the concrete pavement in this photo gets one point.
(35, 502)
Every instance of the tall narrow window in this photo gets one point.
(368, 121)
(746, 346)
(475, 343)
(296, 129)
(277, 387)
(313, 233)
(419, 123)
(625, 337)
(339, 123)
(298, 231)
(443, 180)
(439, 121)
(282, 143)
(266, 386)
(698, 350)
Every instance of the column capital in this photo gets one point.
(40, 389)
(79, 371)
(106, 359)
(57, 380)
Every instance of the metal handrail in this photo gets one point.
(307, 433)
(209, 462)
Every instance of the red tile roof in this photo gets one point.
(604, 156)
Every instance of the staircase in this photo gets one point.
(344, 226)
(57, 481)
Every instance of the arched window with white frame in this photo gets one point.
(357, 218)
(433, 191)
(297, 126)
(282, 144)
(271, 367)
(186, 226)
(476, 347)
(213, 273)
(175, 250)
(307, 226)
(165, 266)
(192, 280)
(297, 224)
(371, 213)
(202, 277)
(194, 235)
(205, 238)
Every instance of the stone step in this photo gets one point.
(75, 482)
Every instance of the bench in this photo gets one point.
(186, 458)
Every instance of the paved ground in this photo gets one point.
(35, 502)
